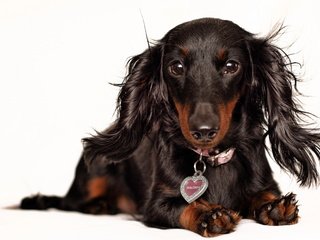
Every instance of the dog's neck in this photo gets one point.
(218, 158)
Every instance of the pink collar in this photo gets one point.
(218, 159)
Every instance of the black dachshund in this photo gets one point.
(188, 149)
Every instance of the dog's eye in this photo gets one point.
(231, 67)
(176, 69)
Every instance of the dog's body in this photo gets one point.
(207, 89)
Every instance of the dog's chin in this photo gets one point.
(209, 147)
(205, 149)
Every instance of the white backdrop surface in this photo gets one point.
(56, 60)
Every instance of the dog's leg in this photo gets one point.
(201, 217)
(98, 193)
(207, 219)
(269, 209)
(71, 202)
(167, 209)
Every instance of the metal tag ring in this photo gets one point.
(196, 164)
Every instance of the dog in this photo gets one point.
(196, 112)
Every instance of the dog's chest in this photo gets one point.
(224, 187)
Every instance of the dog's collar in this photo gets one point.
(218, 159)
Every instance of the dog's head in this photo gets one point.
(204, 65)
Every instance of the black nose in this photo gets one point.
(204, 133)
(203, 122)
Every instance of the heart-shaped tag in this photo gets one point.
(193, 187)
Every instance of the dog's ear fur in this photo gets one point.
(294, 146)
(139, 100)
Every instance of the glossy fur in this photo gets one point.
(208, 85)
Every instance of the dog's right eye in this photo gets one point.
(176, 69)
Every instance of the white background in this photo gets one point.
(57, 58)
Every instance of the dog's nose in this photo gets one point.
(203, 122)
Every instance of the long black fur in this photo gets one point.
(294, 147)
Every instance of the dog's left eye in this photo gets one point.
(176, 69)
(231, 67)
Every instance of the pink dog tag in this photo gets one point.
(193, 187)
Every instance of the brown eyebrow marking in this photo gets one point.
(185, 51)
(222, 54)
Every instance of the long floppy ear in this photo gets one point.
(295, 147)
(142, 92)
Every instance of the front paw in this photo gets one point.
(217, 221)
(282, 211)
(208, 220)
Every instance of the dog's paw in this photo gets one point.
(282, 211)
(217, 221)
(207, 219)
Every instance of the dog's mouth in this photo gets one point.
(207, 152)
(208, 148)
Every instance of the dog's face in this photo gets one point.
(204, 63)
